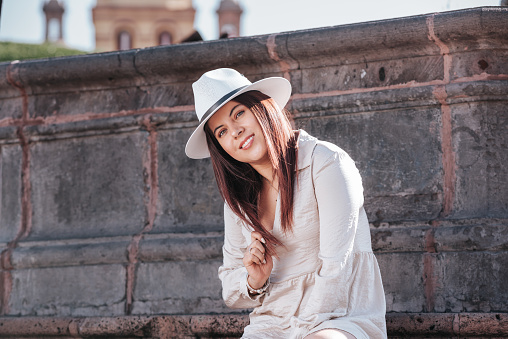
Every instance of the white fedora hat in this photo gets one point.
(216, 88)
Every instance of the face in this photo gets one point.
(238, 132)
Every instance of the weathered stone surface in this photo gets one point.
(412, 324)
(97, 252)
(483, 237)
(11, 191)
(479, 62)
(182, 247)
(399, 325)
(10, 96)
(480, 131)
(95, 188)
(391, 240)
(362, 41)
(471, 282)
(373, 74)
(180, 287)
(189, 198)
(399, 185)
(402, 275)
(471, 30)
(68, 291)
(494, 324)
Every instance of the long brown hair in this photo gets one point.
(240, 185)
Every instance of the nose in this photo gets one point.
(237, 131)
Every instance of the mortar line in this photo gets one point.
(150, 167)
(448, 161)
(59, 119)
(448, 155)
(26, 206)
(445, 51)
(272, 53)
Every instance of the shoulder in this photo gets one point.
(318, 153)
(325, 150)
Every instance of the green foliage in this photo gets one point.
(10, 51)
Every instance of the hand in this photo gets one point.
(257, 264)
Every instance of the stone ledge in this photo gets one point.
(400, 325)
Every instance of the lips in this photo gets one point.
(247, 142)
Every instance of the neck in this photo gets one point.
(266, 171)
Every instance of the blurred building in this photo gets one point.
(229, 13)
(126, 24)
(53, 11)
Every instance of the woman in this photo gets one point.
(297, 242)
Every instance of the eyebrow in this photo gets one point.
(229, 115)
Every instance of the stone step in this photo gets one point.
(400, 325)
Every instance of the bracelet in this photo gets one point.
(259, 290)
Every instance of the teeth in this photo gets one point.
(247, 141)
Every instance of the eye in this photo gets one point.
(239, 113)
(221, 133)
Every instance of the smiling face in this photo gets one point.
(239, 133)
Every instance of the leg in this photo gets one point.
(330, 334)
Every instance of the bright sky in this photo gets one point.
(23, 20)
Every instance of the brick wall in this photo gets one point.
(102, 214)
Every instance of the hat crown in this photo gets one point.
(213, 86)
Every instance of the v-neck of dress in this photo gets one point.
(276, 217)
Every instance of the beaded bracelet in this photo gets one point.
(261, 290)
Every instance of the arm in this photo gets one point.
(339, 194)
(232, 273)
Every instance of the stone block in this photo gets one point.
(185, 247)
(482, 237)
(11, 158)
(112, 100)
(399, 239)
(11, 108)
(472, 282)
(68, 291)
(402, 275)
(474, 63)
(188, 195)
(56, 254)
(480, 131)
(11, 99)
(95, 189)
(402, 181)
(373, 74)
(474, 324)
(412, 325)
(474, 29)
(362, 41)
(178, 287)
(187, 63)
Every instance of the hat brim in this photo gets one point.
(277, 88)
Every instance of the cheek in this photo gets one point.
(227, 147)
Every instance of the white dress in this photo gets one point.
(326, 276)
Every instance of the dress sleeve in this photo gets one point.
(232, 273)
(339, 194)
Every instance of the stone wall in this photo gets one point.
(102, 214)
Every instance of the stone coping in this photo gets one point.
(411, 325)
(183, 63)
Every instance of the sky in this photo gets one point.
(23, 20)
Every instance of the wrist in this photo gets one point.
(256, 291)
(254, 284)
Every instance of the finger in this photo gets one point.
(258, 254)
(257, 236)
(258, 260)
(257, 245)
